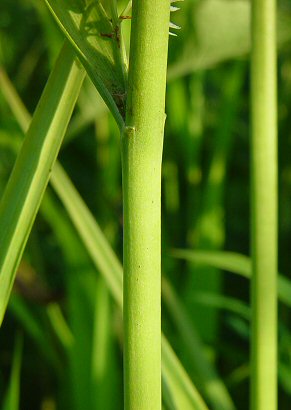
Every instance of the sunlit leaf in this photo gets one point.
(96, 40)
(235, 263)
(21, 199)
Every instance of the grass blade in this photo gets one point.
(11, 401)
(178, 388)
(207, 377)
(32, 326)
(90, 233)
(89, 317)
(235, 263)
(103, 371)
(97, 42)
(31, 172)
(218, 301)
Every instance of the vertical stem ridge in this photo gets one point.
(264, 206)
(142, 144)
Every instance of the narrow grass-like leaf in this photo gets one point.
(32, 326)
(235, 263)
(90, 233)
(31, 172)
(96, 40)
(59, 325)
(103, 372)
(207, 378)
(88, 377)
(11, 401)
(230, 261)
(223, 302)
(178, 388)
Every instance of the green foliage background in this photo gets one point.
(206, 173)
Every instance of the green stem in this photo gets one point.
(142, 144)
(264, 206)
(177, 383)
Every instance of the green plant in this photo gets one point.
(178, 389)
(142, 145)
(24, 191)
(61, 277)
(143, 129)
(264, 205)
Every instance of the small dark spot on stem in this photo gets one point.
(111, 35)
(114, 35)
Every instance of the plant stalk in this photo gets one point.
(142, 144)
(175, 380)
(264, 206)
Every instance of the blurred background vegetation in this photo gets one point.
(61, 341)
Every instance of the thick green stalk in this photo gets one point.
(264, 206)
(177, 384)
(31, 172)
(142, 144)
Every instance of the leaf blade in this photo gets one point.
(234, 263)
(97, 43)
